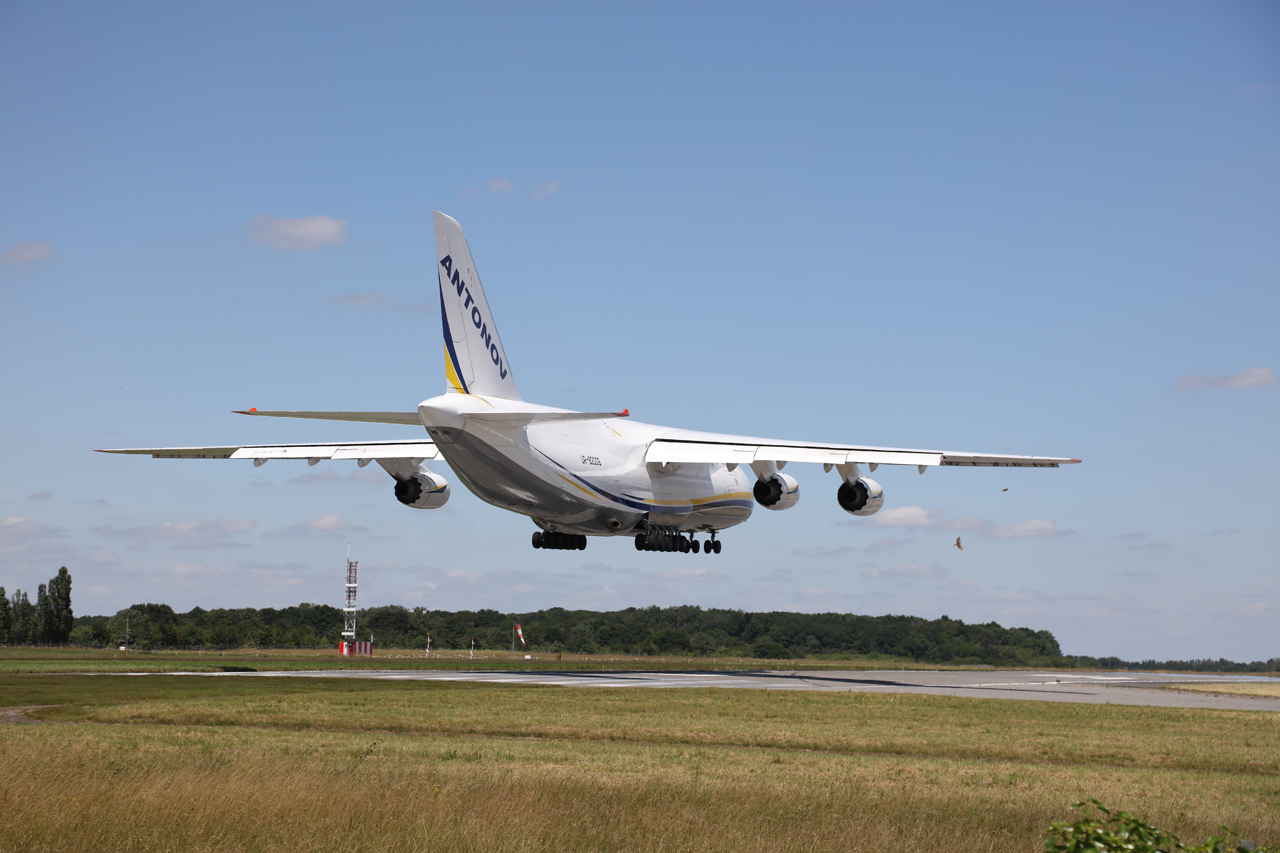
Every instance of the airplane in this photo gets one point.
(580, 474)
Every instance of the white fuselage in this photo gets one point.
(580, 476)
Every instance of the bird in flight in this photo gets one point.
(1004, 490)
(958, 545)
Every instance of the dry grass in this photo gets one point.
(170, 763)
(1266, 690)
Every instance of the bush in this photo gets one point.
(1124, 832)
(770, 651)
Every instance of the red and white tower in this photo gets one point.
(349, 611)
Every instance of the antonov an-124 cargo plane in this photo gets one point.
(580, 474)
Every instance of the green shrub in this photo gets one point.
(770, 651)
(1122, 831)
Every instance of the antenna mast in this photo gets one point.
(349, 612)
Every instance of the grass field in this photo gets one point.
(170, 763)
(1265, 690)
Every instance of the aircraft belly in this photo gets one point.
(497, 479)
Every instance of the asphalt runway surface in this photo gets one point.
(1115, 688)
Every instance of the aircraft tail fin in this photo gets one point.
(475, 362)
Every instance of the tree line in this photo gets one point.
(48, 620)
(685, 630)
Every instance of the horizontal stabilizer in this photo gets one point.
(511, 418)
(408, 418)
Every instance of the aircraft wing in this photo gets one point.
(410, 418)
(313, 453)
(730, 450)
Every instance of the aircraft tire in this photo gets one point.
(581, 543)
(640, 542)
(694, 546)
(537, 539)
(718, 545)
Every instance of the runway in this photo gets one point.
(1115, 688)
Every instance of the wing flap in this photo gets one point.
(662, 451)
(893, 457)
(991, 460)
(330, 450)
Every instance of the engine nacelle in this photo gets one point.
(423, 490)
(861, 497)
(777, 491)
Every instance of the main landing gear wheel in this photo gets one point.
(559, 541)
(695, 545)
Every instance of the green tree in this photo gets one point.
(40, 617)
(6, 617)
(23, 615)
(60, 619)
(128, 622)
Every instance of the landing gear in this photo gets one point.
(559, 541)
(672, 541)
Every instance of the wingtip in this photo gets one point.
(625, 413)
(252, 411)
(1075, 460)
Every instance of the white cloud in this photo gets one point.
(965, 522)
(906, 516)
(330, 524)
(909, 571)
(918, 517)
(21, 535)
(544, 190)
(1262, 608)
(191, 535)
(819, 551)
(883, 544)
(330, 476)
(690, 574)
(40, 496)
(187, 570)
(27, 252)
(501, 185)
(308, 232)
(1251, 378)
(1024, 530)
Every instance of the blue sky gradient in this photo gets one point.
(1023, 228)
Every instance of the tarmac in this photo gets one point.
(1098, 688)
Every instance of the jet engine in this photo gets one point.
(777, 491)
(422, 490)
(861, 497)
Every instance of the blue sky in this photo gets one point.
(1018, 228)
